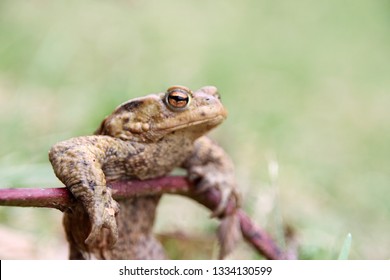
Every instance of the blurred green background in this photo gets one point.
(306, 83)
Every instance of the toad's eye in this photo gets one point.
(178, 98)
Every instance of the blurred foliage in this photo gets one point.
(306, 84)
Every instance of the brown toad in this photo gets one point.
(143, 138)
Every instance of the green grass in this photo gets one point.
(344, 253)
(306, 83)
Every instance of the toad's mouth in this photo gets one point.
(211, 122)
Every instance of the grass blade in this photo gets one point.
(344, 253)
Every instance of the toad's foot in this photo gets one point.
(205, 180)
(102, 210)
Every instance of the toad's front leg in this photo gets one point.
(78, 164)
(209, 167)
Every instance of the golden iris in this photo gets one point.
(178, 98)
